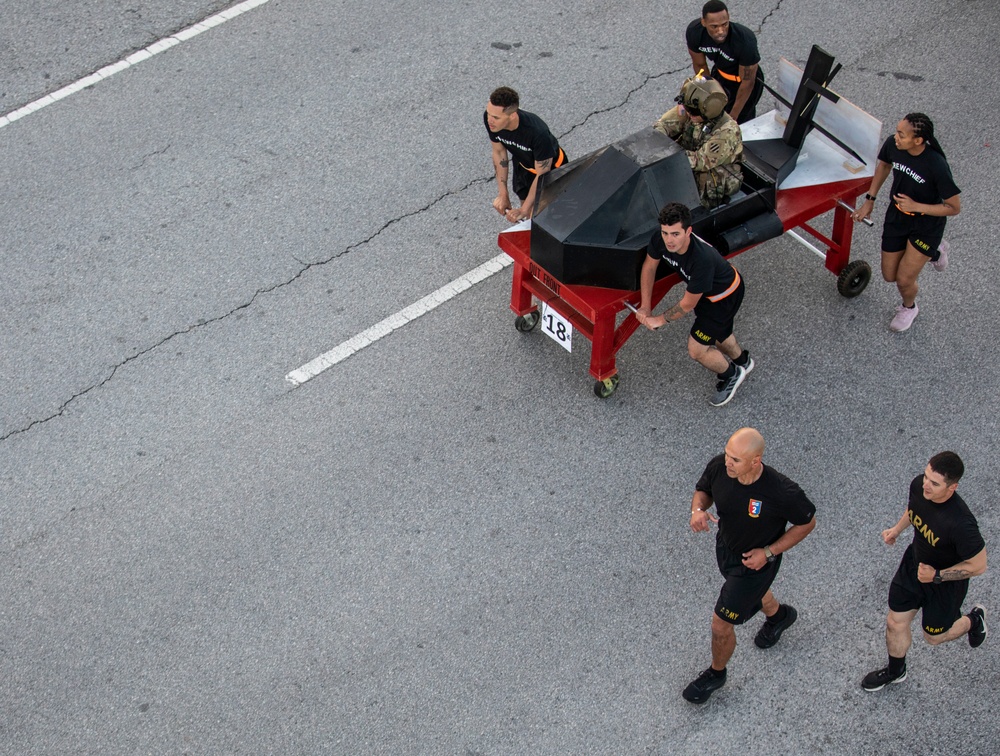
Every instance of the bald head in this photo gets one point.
(743, 452)
(748, 442)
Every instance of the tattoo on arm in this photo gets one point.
(747, 72)
(543, 165)
(674, 313)
(504, 163)
(955, 574)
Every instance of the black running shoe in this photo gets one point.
(880, 678)
(977, 633)
(702, 688)
(770, 632)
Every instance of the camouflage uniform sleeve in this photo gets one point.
(722, 147)
(671, 123)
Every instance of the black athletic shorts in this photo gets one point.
(942, 603)
(713, 321)
(741, 594)
(900, 228)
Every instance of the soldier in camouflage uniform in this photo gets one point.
(712, 139)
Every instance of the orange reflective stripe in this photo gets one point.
(728, 76)
(732, 287)
(559, 161)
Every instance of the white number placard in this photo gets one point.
(557, 328)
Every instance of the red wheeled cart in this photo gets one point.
(593, 311)
(594, 217)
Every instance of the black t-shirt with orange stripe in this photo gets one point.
(529, 143)
(738, 49)
(925, 178)
(703, 267)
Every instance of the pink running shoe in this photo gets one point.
(942, 262)
(903, 318)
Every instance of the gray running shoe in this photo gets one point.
(725, 389)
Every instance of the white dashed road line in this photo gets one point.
(383, 328)
(137, 57)
(351, 346)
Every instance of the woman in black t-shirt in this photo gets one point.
(923, 195)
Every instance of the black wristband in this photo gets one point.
(871, 197)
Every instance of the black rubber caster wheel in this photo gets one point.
(854, 278)
(526, 323)
(604, 389)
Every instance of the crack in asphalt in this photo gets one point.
(347, 250)
(768, 15)
(628, 96)
(144, 158)
(218, 318)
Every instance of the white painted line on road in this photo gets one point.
(384, 327)
(137, 57)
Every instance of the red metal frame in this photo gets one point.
(593, 310)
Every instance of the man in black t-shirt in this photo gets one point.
(946, 551)
(714, 291)
(530, 143)
(754, 503)
(732, 48)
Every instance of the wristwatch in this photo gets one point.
(767, 552)
(871, 197)
(937, 576)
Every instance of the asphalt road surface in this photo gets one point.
(445, 543)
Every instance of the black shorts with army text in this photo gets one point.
(924, 232)
(741, 594)
(941, 602)
(714, 321)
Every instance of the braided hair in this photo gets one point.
(923, 127)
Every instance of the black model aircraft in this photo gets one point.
(594, 216)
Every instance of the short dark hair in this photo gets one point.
(948, 465)
(505, 97)
(713, 6)
(675, 212)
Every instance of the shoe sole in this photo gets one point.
(739, 382)
(700, 701)
(697, 701)
(899, 679)
(986, 632)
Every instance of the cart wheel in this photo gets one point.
(606, 388)
(526, 323)
(854, 278)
